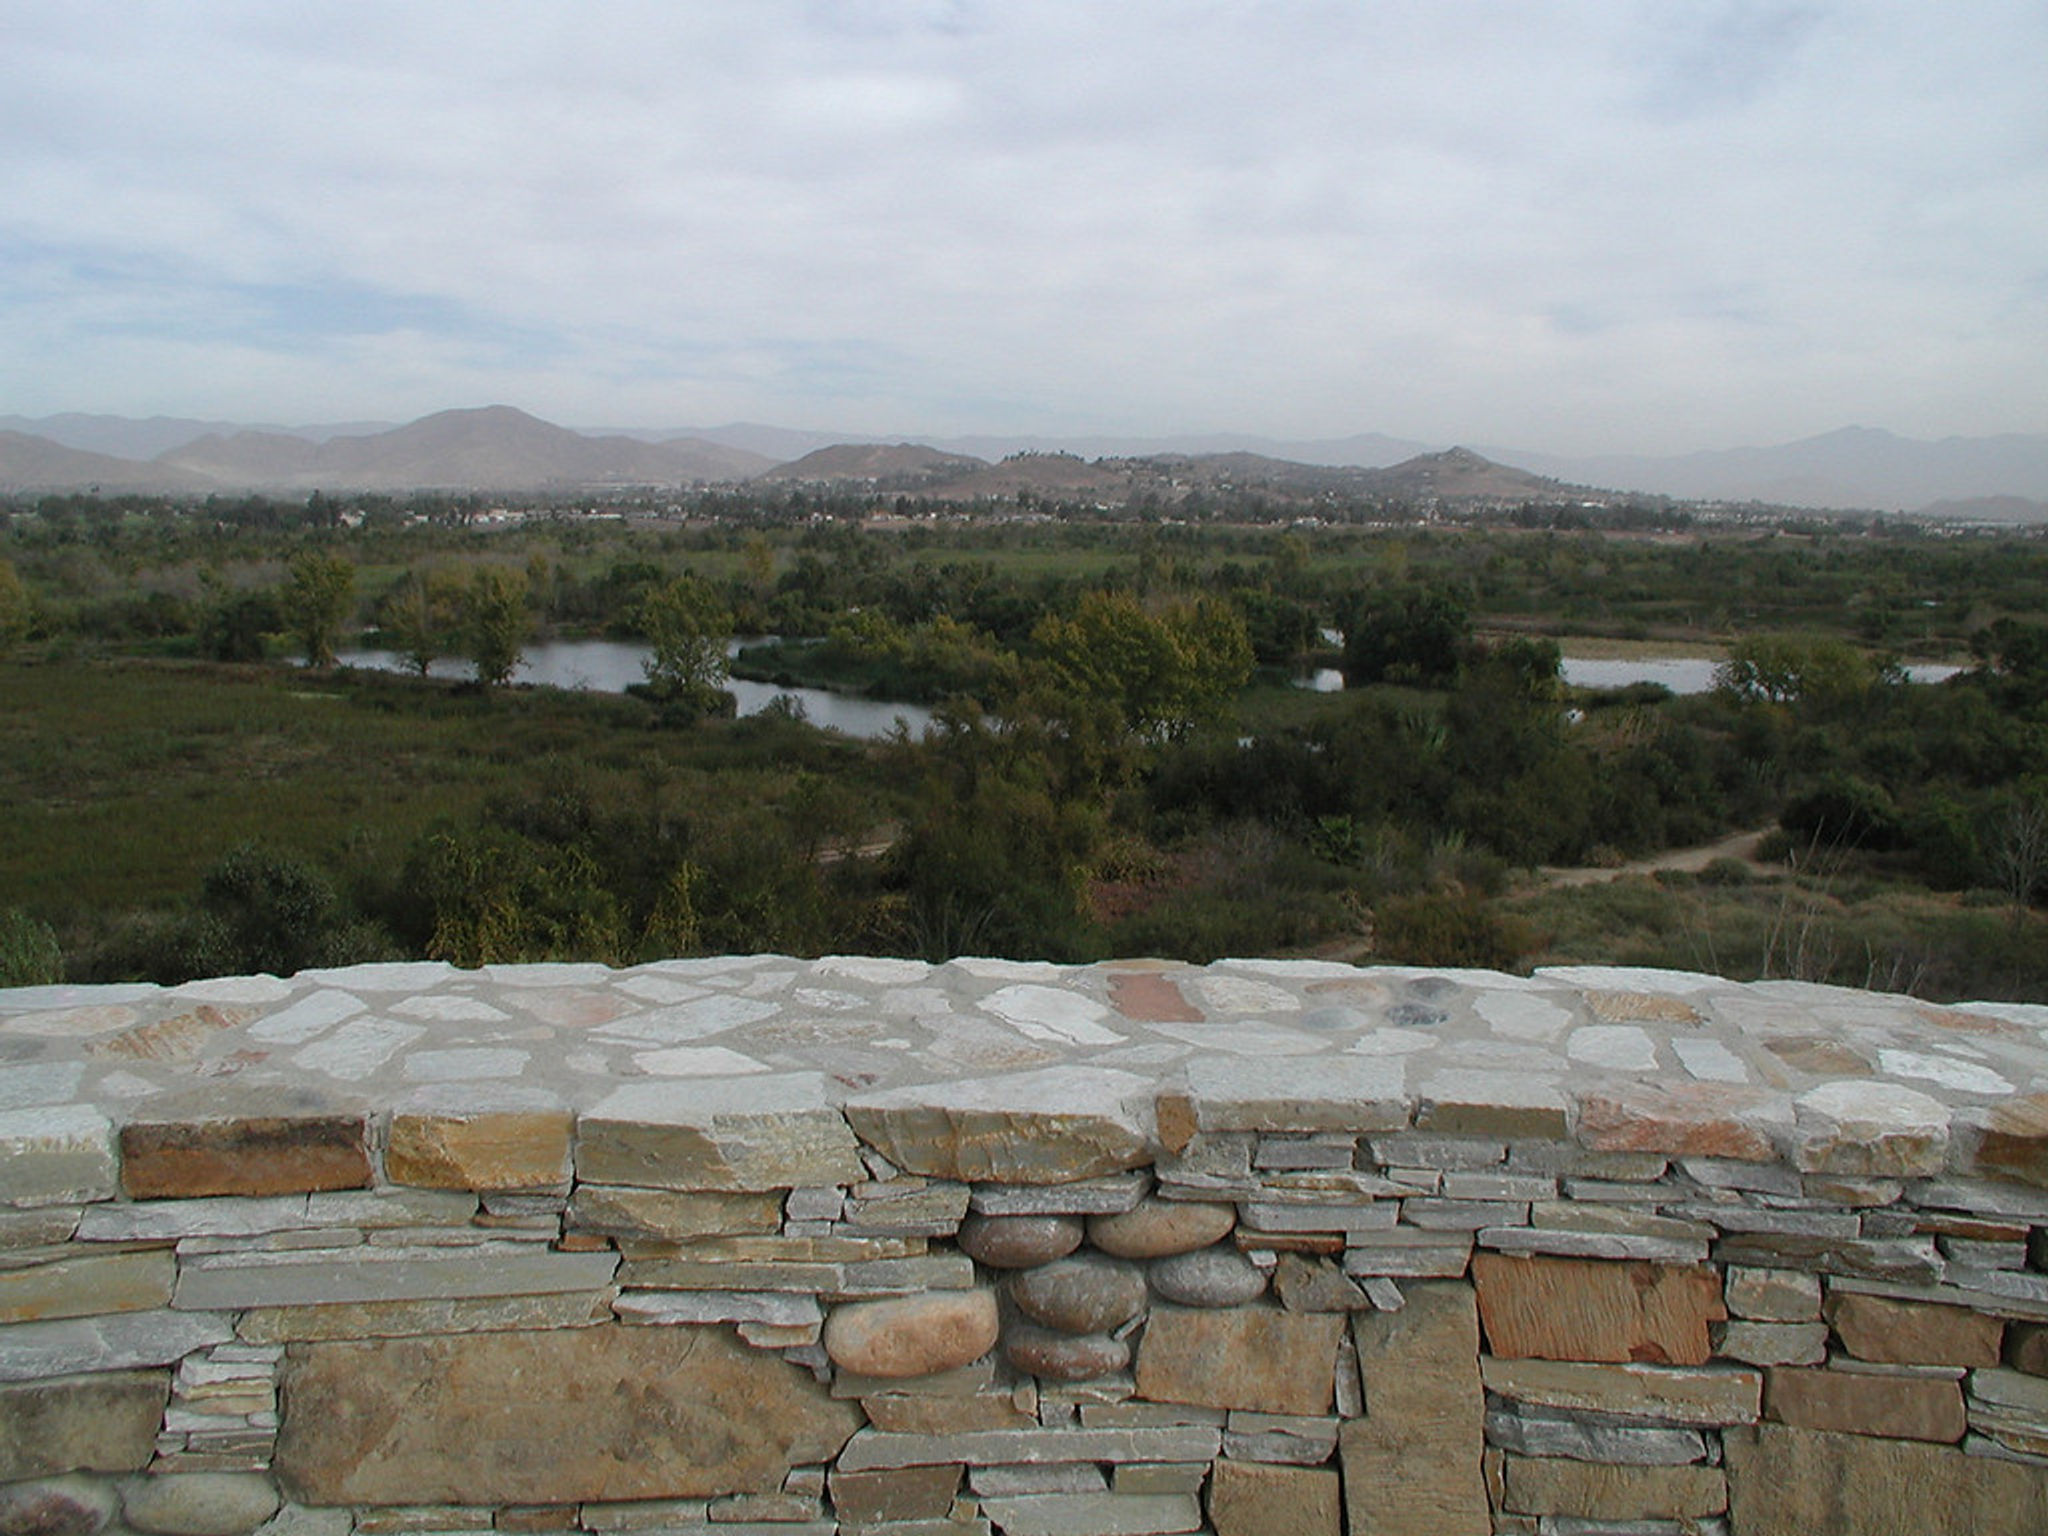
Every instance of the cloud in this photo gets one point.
(1583, 225)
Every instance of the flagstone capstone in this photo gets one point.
(1047, 1127)
(56, 1155)
(721, 1133)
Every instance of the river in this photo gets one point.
(608, 666)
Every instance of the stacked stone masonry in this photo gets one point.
(765, 1247)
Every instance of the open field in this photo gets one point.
(125, 780)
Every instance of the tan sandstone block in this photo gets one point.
(1595, 1309)
(913, 1413)
(1895, 1407)
(899, 1493)
(1672, 1394)
(1412, 1465)
(672, 1215)
(1786, 1481)
(98, 1423)
(1914, 1333)
(82, 1283)
(774, 1131)
(1589, 1490)
(2012, 1140)
(1256, 1358)
(494, 1150)
(1251, 1498)
(1685, 1120)
(549, 1418)
(253, 1155)
(1051, 1126)
(2027, 1348)
(1869, 1128)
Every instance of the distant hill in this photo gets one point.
(127, 438)
(1855, 467)
(33, 464)
(499, 448)
(495, 448)
(1989, 509)
(1459, 474)
(883, 466)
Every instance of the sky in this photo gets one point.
(1574, 225)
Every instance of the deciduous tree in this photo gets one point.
(495, 623)
(421, 616)
(686, 627)
(1163, 672)
(14, 607)
(316, 602)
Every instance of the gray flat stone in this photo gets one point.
(407, 1319)
(1582, 1439)
(60, 1155)
(781, 1309)
(1094, 1514)
(215, 1216)
(38, 1351)
(1107, 1194)
(1355, 1094)
(1369, 1216)
(234, 1281)
(870, 1449)
(1591, 1245)
(1756, 1343)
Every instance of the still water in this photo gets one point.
(608, 666)
(1688, 674)
(1681, 674)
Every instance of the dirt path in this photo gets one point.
(1689, 860)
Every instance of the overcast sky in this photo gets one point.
(1577, 226)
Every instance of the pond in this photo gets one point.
(1681, 674)
(609, 666)
(1689, 674)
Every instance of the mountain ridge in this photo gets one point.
(2001, 478)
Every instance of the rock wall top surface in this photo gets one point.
(763, 1072)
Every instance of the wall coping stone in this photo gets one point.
(753, 1072)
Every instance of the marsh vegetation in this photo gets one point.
(1117, 761)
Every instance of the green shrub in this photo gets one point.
(29, 956)
(1443, 929)
(1726, 871)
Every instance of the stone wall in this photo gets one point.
(758, 1245)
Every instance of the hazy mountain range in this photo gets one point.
(502, 449)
